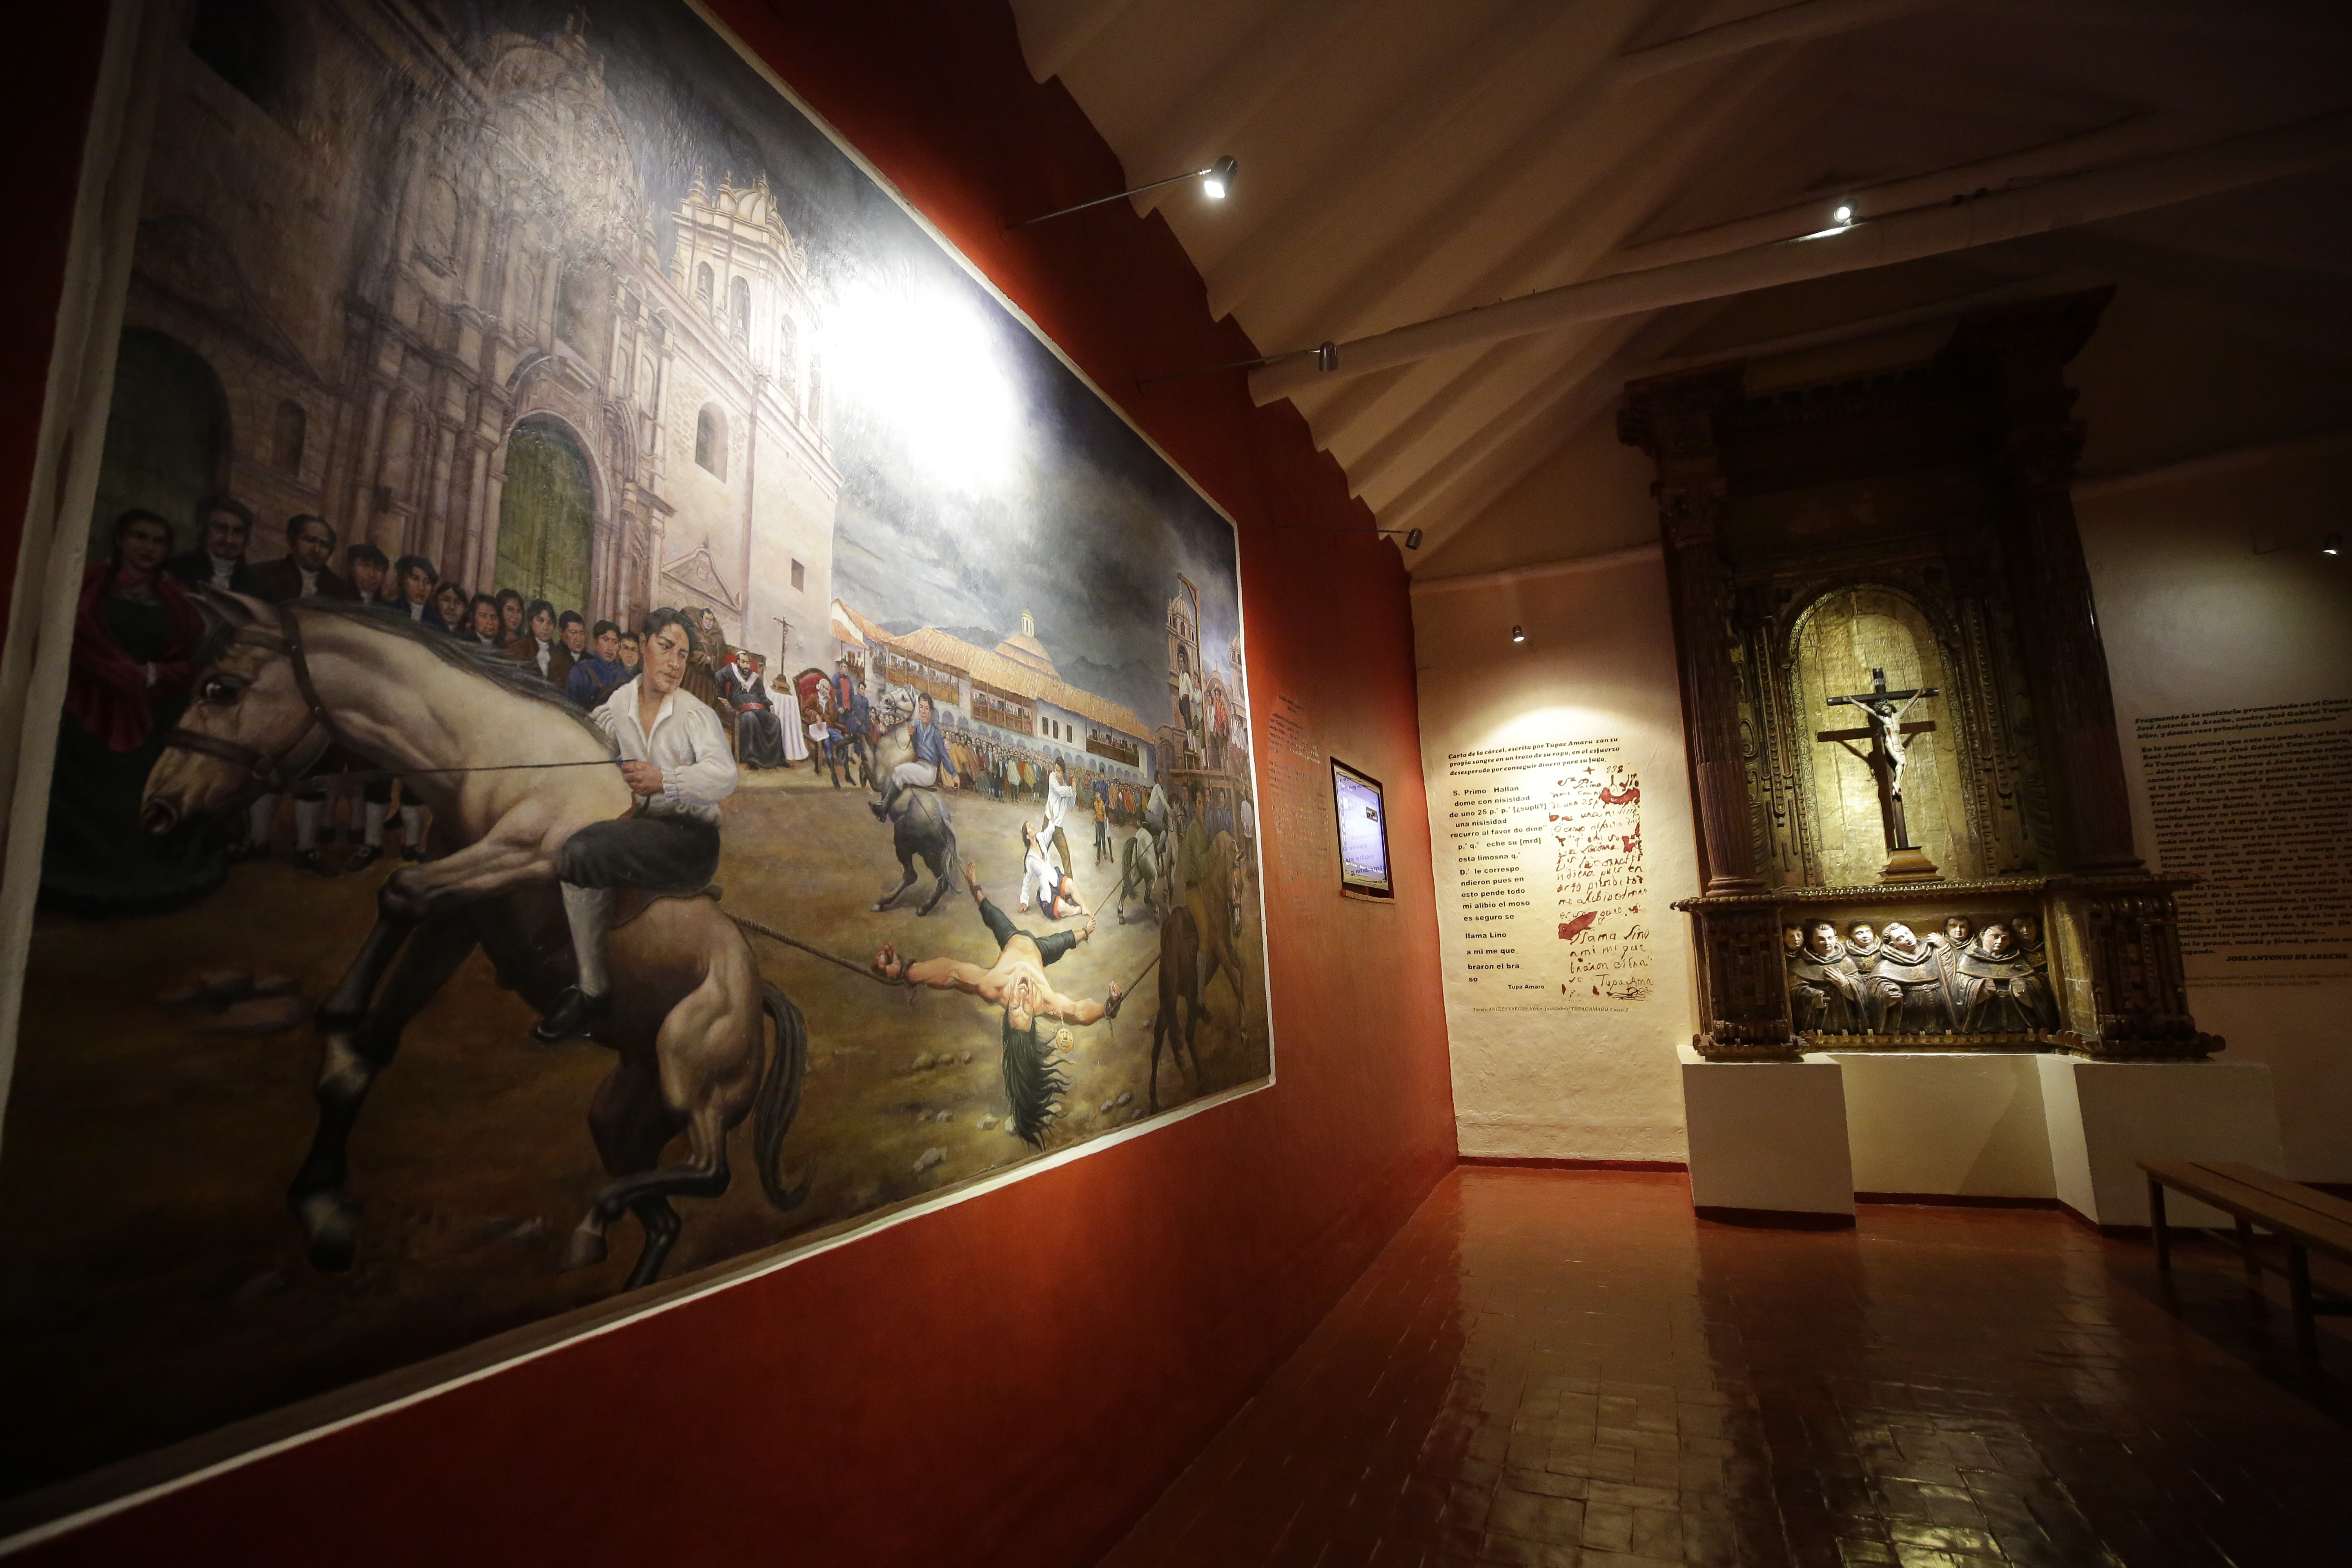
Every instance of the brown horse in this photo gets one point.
(1180, 953)
(511, 771)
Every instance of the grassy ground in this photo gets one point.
(153, 1287)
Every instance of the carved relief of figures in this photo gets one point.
(1888, 980)
(1824, 987)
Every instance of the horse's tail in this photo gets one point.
(780, 1098)
(1032, 1084)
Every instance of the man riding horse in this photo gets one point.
(924, 770)
(674, 759)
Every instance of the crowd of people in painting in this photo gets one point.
(138, 629)
(1964, 979)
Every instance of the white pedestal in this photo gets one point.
(2105, 1117)
(1945, 1124)
(1767, 1137)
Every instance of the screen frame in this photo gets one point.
(1350, 887)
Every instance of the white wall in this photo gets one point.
(2194, 621)
(1599, 662)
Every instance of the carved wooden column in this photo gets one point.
(1675, 422)
(2022, 352)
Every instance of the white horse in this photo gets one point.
(511, 771)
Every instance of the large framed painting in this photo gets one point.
(627, 715)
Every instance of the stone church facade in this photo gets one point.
(462, 340)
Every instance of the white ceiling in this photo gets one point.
(1401, 160)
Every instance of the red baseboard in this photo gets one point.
(1539, 1163)
(1775, 1219)
(1957, 1200)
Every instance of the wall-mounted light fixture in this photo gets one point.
(1216, 180)
(2329, 544)
(1412, 536)
(1841, 218)
(1518, 634)
(1327, 358)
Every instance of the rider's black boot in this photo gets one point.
(575, 1012)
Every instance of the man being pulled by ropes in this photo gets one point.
(673, 753)
(1017, 984)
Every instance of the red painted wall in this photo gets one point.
(1012, 1380)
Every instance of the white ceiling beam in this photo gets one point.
(2133, 137)
(1810, 19)
(2059, 203)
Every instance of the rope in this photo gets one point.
(372, 775)
(775, 935)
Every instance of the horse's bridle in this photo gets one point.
(266, 772)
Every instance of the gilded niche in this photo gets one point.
(1844, 639)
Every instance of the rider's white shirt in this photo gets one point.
(687, 746)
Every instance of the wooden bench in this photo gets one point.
(2303, 1218)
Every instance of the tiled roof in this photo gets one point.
(935, 646)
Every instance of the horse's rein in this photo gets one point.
(265, 769)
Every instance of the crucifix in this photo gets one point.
(1887, 758)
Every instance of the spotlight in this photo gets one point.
(1844, 214)
(1518, 634)
(2332, 545)
(1413, 539)
(1216, 180)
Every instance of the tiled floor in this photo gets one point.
(1569, 1368)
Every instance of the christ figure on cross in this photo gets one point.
(1887, 760)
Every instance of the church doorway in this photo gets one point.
(167, 438)
(547, 515)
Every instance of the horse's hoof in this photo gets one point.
(331, 1228)
(584, 1249)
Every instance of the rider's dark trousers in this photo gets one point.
(668, 852)
(1050, 946)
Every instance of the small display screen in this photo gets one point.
(1363, 833)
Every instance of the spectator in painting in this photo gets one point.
(599, 673)
(449, 602)
(365, 567)
(632, 655)
(1102, 828)
(417, 578)
(537, 646)
(483, 628)
(136, 630)
(856, 719)
(702, 664)
(759, 734)
(302, 572)
(570, 647)
(511, 614)
(219, 562)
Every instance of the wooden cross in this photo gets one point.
(1885, 759)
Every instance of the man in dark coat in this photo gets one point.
(759, 734)
(302, 572)
(599, 674)
(219, 562)
(416, 578)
